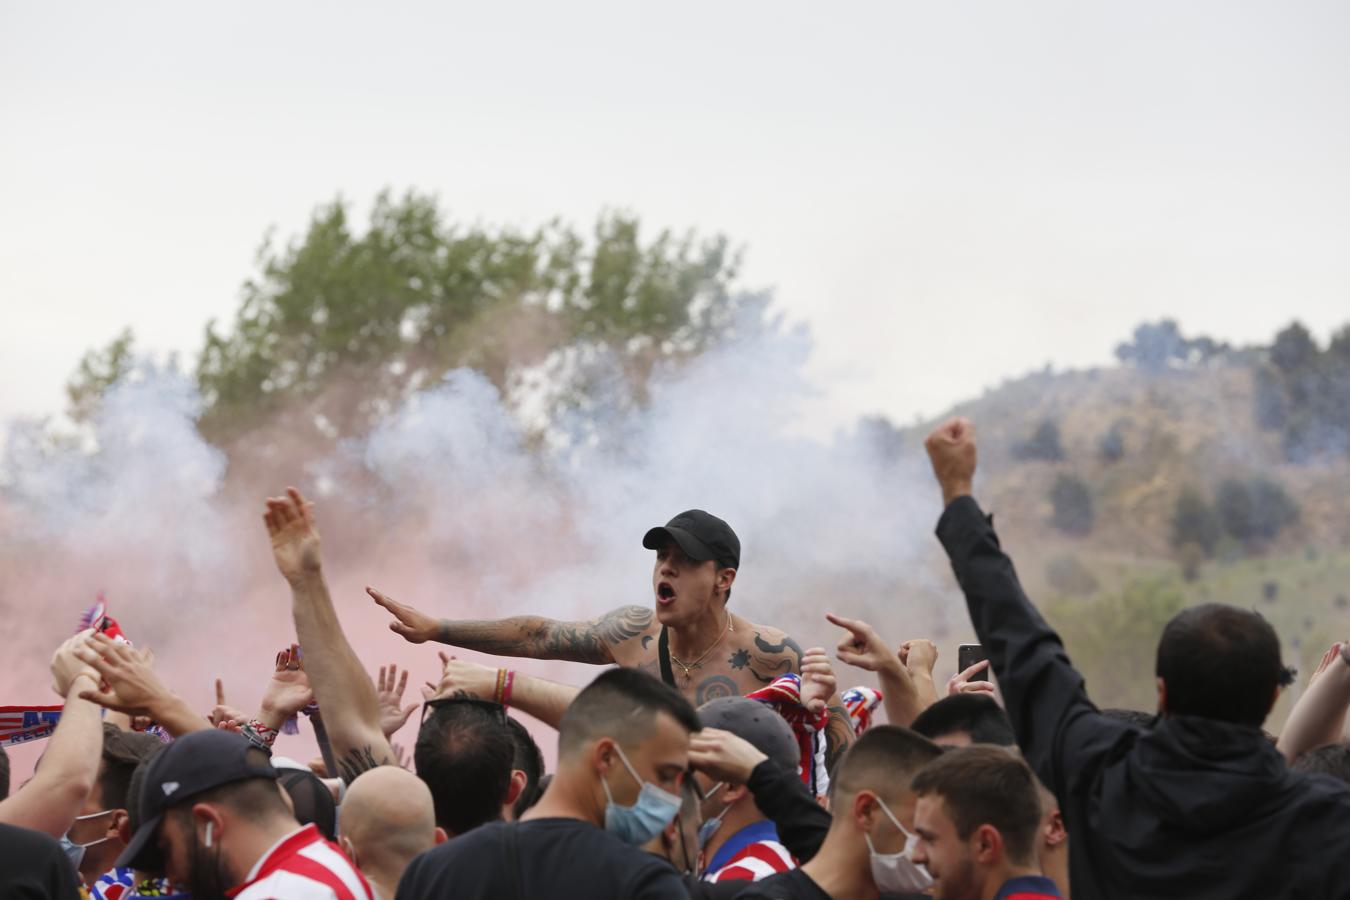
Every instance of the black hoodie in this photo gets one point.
(1194, 808)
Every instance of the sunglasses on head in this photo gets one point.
(435, 703)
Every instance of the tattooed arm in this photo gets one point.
(345, 693)
(535, 637)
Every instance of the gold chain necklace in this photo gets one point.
(693, 665)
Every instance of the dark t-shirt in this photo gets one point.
(556, 858)
(33, 865)
(793, 885)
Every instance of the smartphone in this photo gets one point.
(968, 655)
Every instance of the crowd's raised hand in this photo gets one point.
(906, 674)
(389, 689)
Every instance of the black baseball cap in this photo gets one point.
(700, 535)
(191, 765)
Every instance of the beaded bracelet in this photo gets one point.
(259, 735)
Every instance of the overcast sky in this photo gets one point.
(947, 193)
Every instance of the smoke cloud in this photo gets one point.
(456, 505)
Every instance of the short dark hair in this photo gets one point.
(529, 759)
(1333, 760)
(977, 715)
(463, 753)
(312, 800)
(984, 785)
(887, 753)
(4, 773)
(1220, 662)
(123, 751)
(621, 704)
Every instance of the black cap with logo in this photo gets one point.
(191, 765)
(701, 536)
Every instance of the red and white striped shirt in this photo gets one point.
(750, 854)
(303, 866)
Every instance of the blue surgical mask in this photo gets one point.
(709, 828)
(639, 823)
(75, 852)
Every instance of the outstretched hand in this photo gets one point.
(465, 679)
(389, 690)
(132, 685)
(295, 536)
(951, 449)
(67, 665)
(863, 647)
(414, 627)
(288, 690)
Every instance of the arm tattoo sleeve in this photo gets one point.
(358, 760)
(540, 638)
(838, 736)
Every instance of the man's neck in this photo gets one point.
(384, 883)
(1055, 865)
(1002, 875)
(737, 818)
(569, 796)
(689, 640)
(840, 869)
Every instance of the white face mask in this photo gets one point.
(897, 873)
(74, 851)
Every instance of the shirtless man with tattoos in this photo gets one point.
(712, 652)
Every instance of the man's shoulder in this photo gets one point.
(790, 885)
(766, 640)
(306, 869)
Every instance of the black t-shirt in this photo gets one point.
(791, 885)
(34, 867)
(555, 858)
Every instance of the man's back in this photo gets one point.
(550, 858)
(1197, 807)
(1193, 807)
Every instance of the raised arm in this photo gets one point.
(545, 700)
(345, 694)
(904, 693)
(1043, 693)
(1318, 718)
(535, 637)
(52, 798)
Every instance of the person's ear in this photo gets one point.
(732, 793)
(440, 836)
(864, 809)
(1055, 832)
(209, 822)
(603, 757)
(986, 845)
(724, 579)
(516, 786)
(118, 824)
(349, 849)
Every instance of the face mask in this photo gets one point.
(896, 873)
(709, 828)
(74, 851)
(639, 823)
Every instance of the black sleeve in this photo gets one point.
(782, 797)
(1044, 694)
(33, 865)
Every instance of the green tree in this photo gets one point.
(1194, 522)
(346, 324)
(1043, 444)
(1072, 504)
(97, 371)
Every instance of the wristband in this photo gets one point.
(501, 686)
(506, 688)
(259, 734)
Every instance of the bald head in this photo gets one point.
(387, 819)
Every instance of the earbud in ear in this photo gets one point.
(210, 830)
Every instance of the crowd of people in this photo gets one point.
(713, 757)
